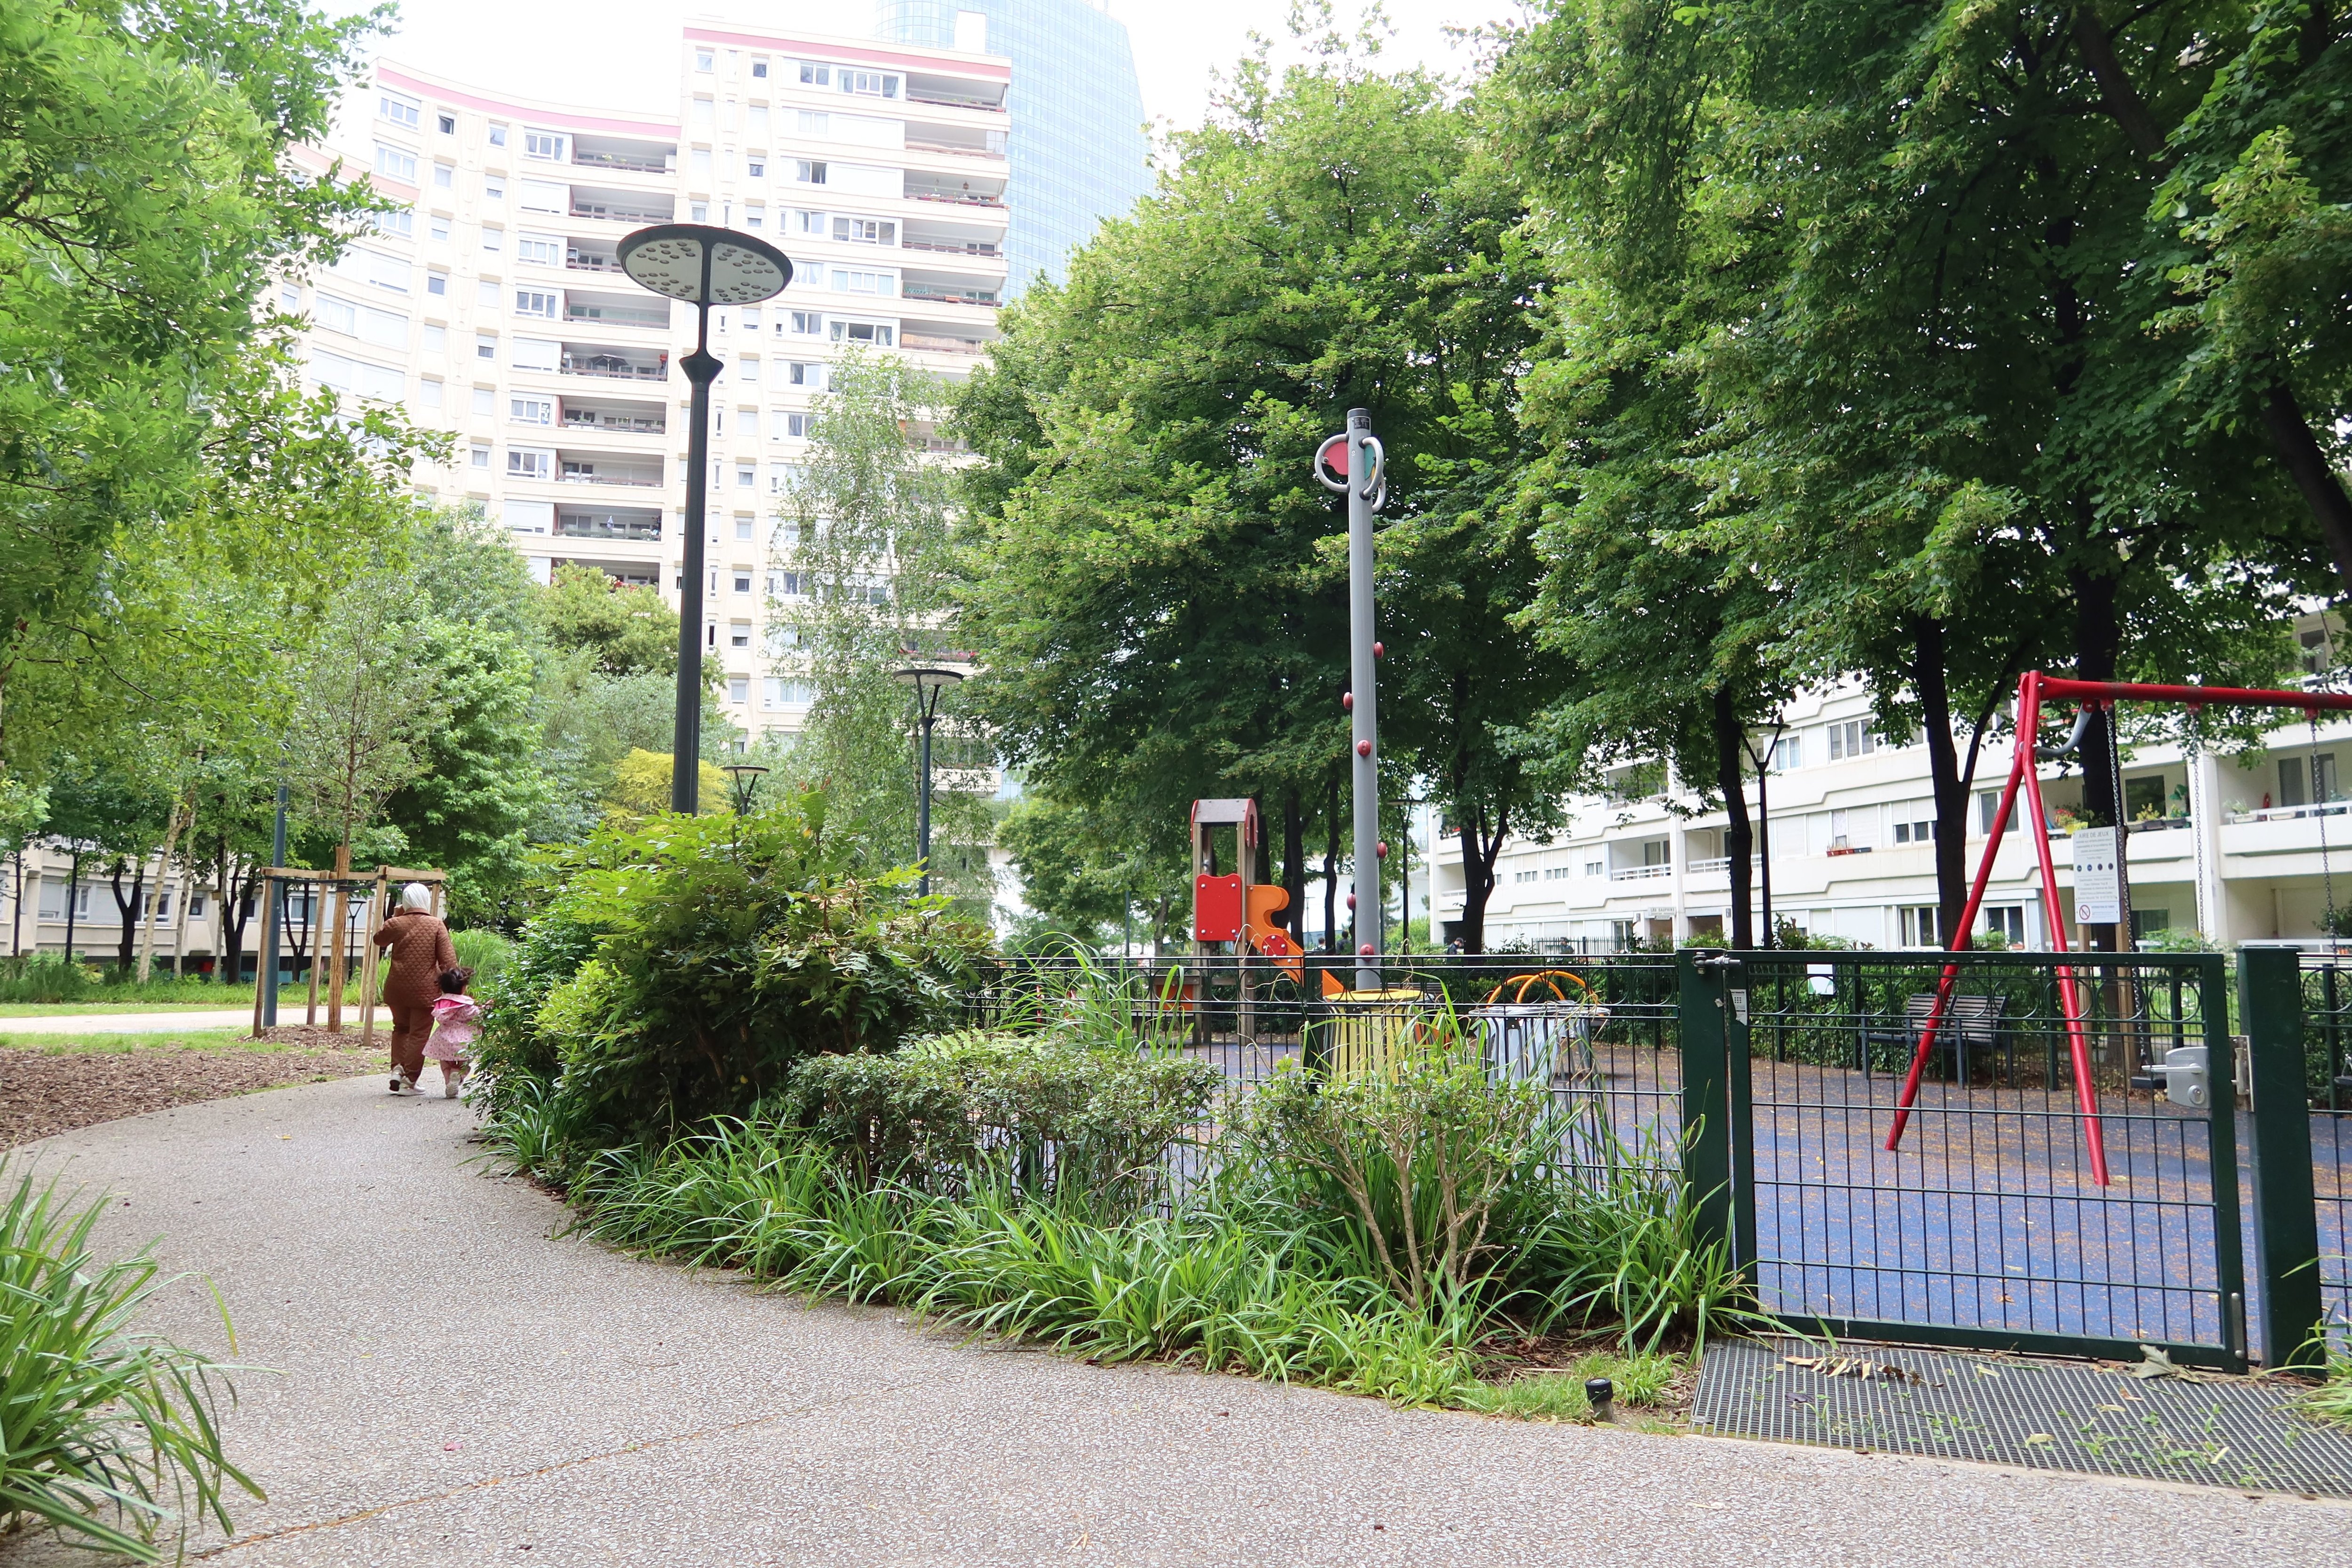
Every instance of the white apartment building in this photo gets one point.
(2239, 849)
(491, 305)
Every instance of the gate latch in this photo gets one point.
(2185, 1077)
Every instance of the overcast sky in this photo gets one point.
(617, 53)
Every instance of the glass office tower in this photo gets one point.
(1079, 152)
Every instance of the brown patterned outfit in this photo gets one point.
(418, 950)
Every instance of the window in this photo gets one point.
(879, 333)
(539, 302)
(494, 190)
(493, 239)
(798, 426)
(2145, 923)
(402, 223)
(486, 292)
(290, 298)
(781, 693)
(815, 123)
(864, 231)
(498, 134)
(698, 212)
(1988, 808)
(1916, 832)
(1621, 937)
(808, 222)
(742, 579)
(480, 454)
(1596, 868)
(438, 229)
(1518, 876)
(739, 687)
(705, 60)
(755, 168)
(530, 463)
(2144, 798)
(754, 215)
(486, 400)
(2297, 776)
(445, 177)
(336, 315)
(395, 165)
(544, 197)
(542, 144)
(1851, 739)
(867, 84)
(1919, 926)
(448, 123)
(399, 111)
(429, 391)
(1556, 873)
(805, 172)
(747, 370)
(801, 323)
(739, 634)
(746, 478)
(758, 69)
(2008, 922)
(747, 423)
(1789, 752)
(815, 75)
(543, 249)
(846, 280)
(485, 345)
(801, 373)
(698, 162)
(702, 114)
(532, 410)
(436, 283)
(742, 528)
(751, 319)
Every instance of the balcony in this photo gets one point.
(947, 294)
(956, 247)
(957, 198)
(592, 468)
(614, 364)
(931, 343)
(632, 526)
(1639, 873)
(962, 150)
(578, 261)
(613, 420)
(616, 313)
(621, 206)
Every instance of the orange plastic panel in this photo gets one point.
(1217, 909)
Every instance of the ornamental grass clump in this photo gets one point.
(107, 1434)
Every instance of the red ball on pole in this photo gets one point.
(1365, 951)
(1382, 849)
(1379, 650)
(1347, 701)
(1363, 748)
(1351, 901)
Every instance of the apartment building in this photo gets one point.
(491, 305)
(2238, 848)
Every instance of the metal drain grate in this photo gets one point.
(2051, 1416)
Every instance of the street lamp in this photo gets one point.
(747, 781)
(928, 681)
(704, 266)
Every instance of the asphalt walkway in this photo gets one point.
(454, 1384)
(127, 1023)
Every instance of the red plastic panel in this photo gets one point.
(1217, 909)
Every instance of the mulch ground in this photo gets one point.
(41, 1094)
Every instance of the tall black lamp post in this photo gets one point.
(703, 266)
(928, 681)
(747, 777)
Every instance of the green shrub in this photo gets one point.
(1640, 1381)
(486, 953)
(105, 1433)
(726, 950)
(956, 1112)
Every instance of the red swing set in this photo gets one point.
(2031, 690)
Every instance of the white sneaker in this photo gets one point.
(449, 1083)
(397, 1081)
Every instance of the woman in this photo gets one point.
(417, 950)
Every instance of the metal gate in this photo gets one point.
(1984, 1227)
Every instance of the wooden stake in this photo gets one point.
(269, 894)
(311, 922)
(343, 931)
(378, 908)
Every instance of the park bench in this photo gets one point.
(1969, 1022)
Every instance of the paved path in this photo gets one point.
(455, 1387)
(127, 1023)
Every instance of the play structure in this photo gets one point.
(2095, 697)
(333, 938)
(1232, 912)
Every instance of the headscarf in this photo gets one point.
(417, 896)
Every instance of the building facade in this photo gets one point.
(2254, 846)
(491, 305)
(1079, 152)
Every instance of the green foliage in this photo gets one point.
(1641, 1379)
(725, 950)
(2331, 1402)
(1052, 1113)
(111, 1434)
(1083, 875)
(621, 630)
(486, 953)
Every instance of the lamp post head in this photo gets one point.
(745, 772)
(704, 265)
(927, 678)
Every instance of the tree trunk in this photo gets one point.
(1480, 848)
(1738, 837)
(1331, 870)
(2098, 635)
(2307, 464)
(1294, 864)
(128, 913)
(1950, 791)
(173, 827)
(187, 897)
(227, 940)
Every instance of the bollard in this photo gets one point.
(1602, 1395)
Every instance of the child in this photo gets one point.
(457, 1019)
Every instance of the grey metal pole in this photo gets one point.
(1363, 682)
(923, 806)
(265, 973)
(686, 737)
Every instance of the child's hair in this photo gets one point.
(454, 981)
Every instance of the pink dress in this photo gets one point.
(455, 1020)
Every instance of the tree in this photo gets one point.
(866, 540)
(1078, 875)
(641, 784)
(622, 630)
(363, 716)
(1157, 580)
